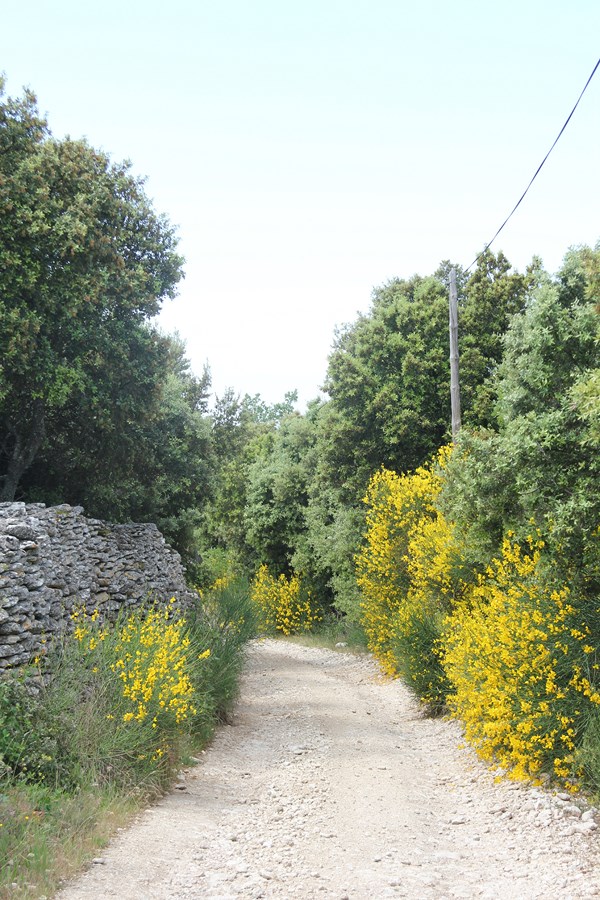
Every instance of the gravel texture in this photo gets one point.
(330, 783)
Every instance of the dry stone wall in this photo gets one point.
(54, 559)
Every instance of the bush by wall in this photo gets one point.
(54, 559)
(125, 707)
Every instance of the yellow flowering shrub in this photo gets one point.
(221, 583)
(522, 662)
(281, 604)
(513, 651)
(407, 575)
(150, 655)
(395, 504)
(151, 663)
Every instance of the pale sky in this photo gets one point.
(310, 151)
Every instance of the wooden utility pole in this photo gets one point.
(454, 382)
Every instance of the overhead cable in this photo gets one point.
(522, 197)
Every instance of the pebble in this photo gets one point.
(509, 840)
(583, 827)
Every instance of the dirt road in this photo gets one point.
(331, 784)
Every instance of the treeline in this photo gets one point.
(473, 568)
(97, 406)
(355, 502)
(528, 447)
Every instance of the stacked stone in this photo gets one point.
(54, 560)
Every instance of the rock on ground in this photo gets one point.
(330, 783)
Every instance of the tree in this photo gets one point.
(139, 448)
(388, 379)
(243, 430)
(389, 383)
(84, 260)
(263, 413)
(541, 464)
(489, 299)
(277, 494)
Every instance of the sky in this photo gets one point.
(310, 151)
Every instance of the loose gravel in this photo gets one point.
(331, 783)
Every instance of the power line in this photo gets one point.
(538, 170)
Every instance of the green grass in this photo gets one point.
(588, 756)
(48, 835)
(331, 631)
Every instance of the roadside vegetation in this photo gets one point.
(104, 724)
(480, 571)
(472, 570)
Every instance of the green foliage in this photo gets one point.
(326, 552)
(585, 395)
(122, 710)
(23, 749)
(84, 262)
(388, 380)
(277, 493)
(541, 463)
(46, 835)
(214, 563)
(335, 630)
(96, 406)
(149, 459)
(491, 297)
(587, 757)
(527, 642)
(224, 621)
(389, 375)
(263, 413)
(243, 431)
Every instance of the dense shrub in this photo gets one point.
(110, 714)
(281, 603)
(510, 648)
(522, 658)
(409, 574)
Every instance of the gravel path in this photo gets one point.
(331, 784)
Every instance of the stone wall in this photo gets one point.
(54, 559)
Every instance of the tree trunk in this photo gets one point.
(27, 442)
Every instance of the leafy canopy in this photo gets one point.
(85, 261)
